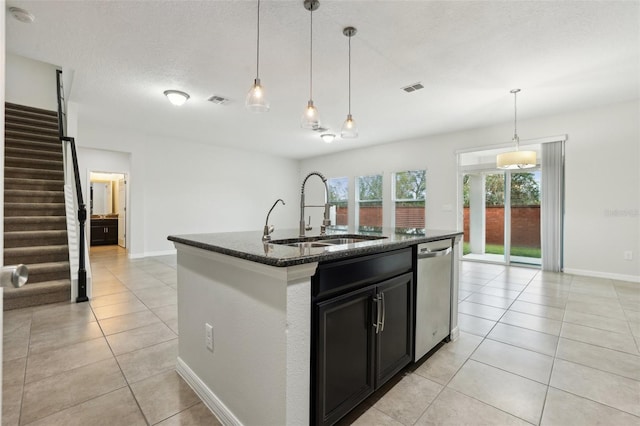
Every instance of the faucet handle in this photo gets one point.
(308, 227)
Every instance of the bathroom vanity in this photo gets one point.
(298, 331)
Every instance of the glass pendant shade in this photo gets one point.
(310, 117)
(349, 129)
(516, 160)
(256, 100)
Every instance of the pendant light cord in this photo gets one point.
(258, 46)
(349, 75)
(515, 119)
(311, 56)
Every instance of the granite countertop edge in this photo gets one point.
(248, 246)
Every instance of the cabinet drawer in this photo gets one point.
(334, 278)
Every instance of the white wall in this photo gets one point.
(602, 179)
(181, 187)
(32, 83)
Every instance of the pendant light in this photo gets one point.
(256, 100)
(349, 129)
(310, 117)
(516, 159)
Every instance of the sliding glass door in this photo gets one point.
(502, 216)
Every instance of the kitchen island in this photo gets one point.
(245, 314)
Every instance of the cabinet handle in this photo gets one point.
(376, 324)
(384, 311)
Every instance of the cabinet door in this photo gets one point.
(111, 236)
(344, 370)
(395, 336)
(97, 234)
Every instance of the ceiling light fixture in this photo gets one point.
(516, 159)
(22, 15)
(176, 97)
(256, 100)
(310, 117)
(328, 137)
(349, 129)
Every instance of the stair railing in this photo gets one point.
(82, 209)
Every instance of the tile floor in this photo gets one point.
(108, 362)
(534, 348)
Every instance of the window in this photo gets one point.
(369, 203)
(339, 200)
(409, 198)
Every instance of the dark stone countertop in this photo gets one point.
(249, 245)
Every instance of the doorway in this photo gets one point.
(108, 194)
(501, 210)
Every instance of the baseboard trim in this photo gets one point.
(597, 274)
(151, 254)
(214, 404)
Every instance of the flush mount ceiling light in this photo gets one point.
(349, 129)
(328, 137)
(310, 117)
(176, 97)
(256, 100)
(516, 159)
(22, 15)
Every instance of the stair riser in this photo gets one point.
(35, 226)
(33, 154)
(31, 129)
(33, 211)
(48, 123)
(14, 259)
(33, 163)
(26, 198)
(34, 185)
(26, 137)
(31, 242)
(34, 144)
(11, 172)
(10, 106)
(28, 301)
(48, 276)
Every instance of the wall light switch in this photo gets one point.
(628, 255)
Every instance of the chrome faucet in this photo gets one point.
(266, 234)
(326, 221)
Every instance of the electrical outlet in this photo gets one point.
(209, 336)
(628, 255)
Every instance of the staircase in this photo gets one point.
(35, 228)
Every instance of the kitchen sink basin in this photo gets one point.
(326, 240)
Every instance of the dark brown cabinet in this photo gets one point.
(362, 330)
(104, 231)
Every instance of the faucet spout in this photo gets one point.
(266, 234)
(326, 221)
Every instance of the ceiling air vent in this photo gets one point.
(413, 87)
(220, 100)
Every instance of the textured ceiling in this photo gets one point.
(564, 55)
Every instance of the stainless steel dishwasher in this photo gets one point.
(433, 295)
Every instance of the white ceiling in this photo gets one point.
(564, 55)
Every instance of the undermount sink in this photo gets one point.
(326, 240)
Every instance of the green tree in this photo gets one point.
(411, 185)
(525, 190)
(370, 188)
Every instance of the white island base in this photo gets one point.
(258, 372)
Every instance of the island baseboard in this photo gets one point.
(209, 399)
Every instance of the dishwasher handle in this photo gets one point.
(426, 253)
